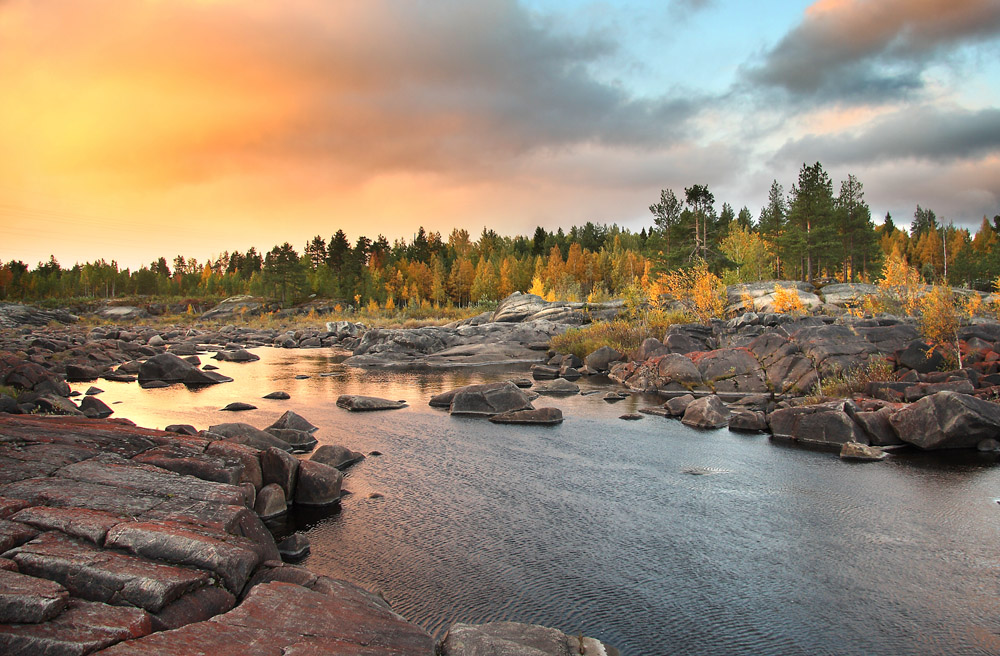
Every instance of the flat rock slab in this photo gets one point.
(232, 558)
(101, 435)
(13, 534)
(286, 618)
(90, 525)
(357, 403)
(539, 416)
(28, 600)
(68, 493)
(106, 576)
(121, 473)
(82, 628)
(193, 462)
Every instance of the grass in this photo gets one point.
(623, 335)
(854, 380)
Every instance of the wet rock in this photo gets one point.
(278, 466)
(271, 501)
(516, 639)
(947, 420)
(544, 372)
(294, 548)
(486, 400)
(239, 355)
(336, 456)
(94, 407)
(164, 368)
(706, 412)
(539, 417)
(679, 404)
(558, 386)
(181, 429)
(631, 416)
(77, 373)
(194, 462)
(238, 406)
(357, 403)
(82, 628)
(317, 484)
(242, 433)
(29, 600)
(281, 396)
(300, 441)
(863, 452)
(104, 575)
(293, 421)
(601, 359)
(747, 420)
(199, 377)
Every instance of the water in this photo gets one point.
(595, 527)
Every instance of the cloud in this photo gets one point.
(683, 8)
(183, 92)
(922, 133)
(871, 50)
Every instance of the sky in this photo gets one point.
(131, 129)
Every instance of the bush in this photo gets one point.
(623, 335)
(854, 380)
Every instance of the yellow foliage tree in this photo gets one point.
(787, 301)
(940, 320)
(899, 290)
(700, 292)
(537, 288)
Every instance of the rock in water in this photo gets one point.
(293, 421)
(294, 548)
(707, 412)
(540, 416)
(336, 456)
(356, 403)
(281, 396)
(516, 639)
(601, 359)
(487, 400)
(858, 451)
(947, 420)
(239, 406)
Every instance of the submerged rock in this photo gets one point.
(539, 416)
(357, 403)
(858, 451)
(516, 639)
(337, 456)
(238, 406)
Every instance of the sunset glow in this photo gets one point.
(134, 129)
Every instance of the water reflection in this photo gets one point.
(594, 526)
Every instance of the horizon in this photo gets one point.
(277, 123)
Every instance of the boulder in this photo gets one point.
(358, 403)
(336, 456)
(29, 600)
(281, 396)
(731, 370)
(30, 376)
(878, 428)
(676, 406)
(77, 373)
(300, 441)
(706, 412)
(240, 355)
(318, 484)
(947, 420)
(544, 372)
(601, 359)
(919, 357)
(198, 377)
(538, 416)
(294, 421)
(242, 433)
(92, 406)
(248, 456)
(294, 548)
(488, 399)
(820, 423)
(238, 406)
(920, 390)
(679, 369)
(748, 420)
(280, 467)
(270, 501)
(165, 367)
(651, 348)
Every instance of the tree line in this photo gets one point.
(810, 234)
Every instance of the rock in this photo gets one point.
(601, 359)
(747, 420)
(516, 639)
(631, 416)
(614, 397)
(820, 423)
(679, 369)
(91, 391)
(281, 396)
(848, 294)
(523, 383)
(238, 406)
(489, 399)
(29, 600)
(165, 368)
(293, 421)
(336, 456)
(239, 355)
(544, 372)
(357, 403)
(83, 523)
(989, 445)
(82, 628)
(920, 390)
(30, 376)
(731, 370)
(947, 420)
(539, 416)
(877, 427)
(706, 412)
(569, 373)
(198, 606)
(181, 429)
(558, 386)
(278, 466)
(271, 501)
(651, 348)
(198, 377)
(863, 452)
(76, 373)
(294, 548)
(318, 484)
(677, 406)
(919, 357)
(246, 434)
(107, 576)
(194, 462)
(58, 405)
(156, 341)
(94, 407)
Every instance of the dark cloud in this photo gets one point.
(924, 133)
(871, 50)
(683, 8)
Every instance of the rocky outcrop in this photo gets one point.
(15, 315)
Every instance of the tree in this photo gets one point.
(854, 227)
(810, 216)
(700, 201)
(924, 220)
(282, 271)
(538, 241)
(316, 252)
(337, 251)
(666, 214)
(773, 222)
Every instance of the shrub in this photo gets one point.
(845, 383)
(623, 335)
(787, 301)
(700, 292)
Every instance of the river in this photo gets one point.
(598, 527)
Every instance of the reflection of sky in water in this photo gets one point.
(592, 526)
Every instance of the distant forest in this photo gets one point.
(809, 233)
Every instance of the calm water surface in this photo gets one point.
(593, 526)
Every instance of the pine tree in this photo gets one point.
(810, 215)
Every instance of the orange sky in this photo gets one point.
(133, 129)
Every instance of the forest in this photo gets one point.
(811, 233)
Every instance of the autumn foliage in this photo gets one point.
(697, 290)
